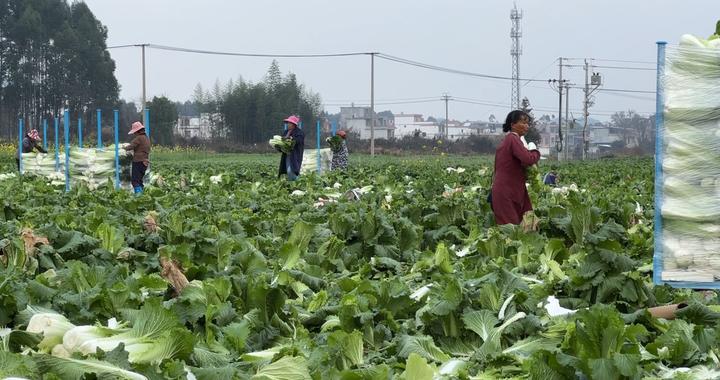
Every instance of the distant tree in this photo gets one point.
(533, 135)
(53, 56)
(163, 118)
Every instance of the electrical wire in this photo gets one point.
(624, 68)
(448, 70)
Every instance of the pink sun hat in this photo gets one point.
(33, 134)
(136, 126)
(293, 119)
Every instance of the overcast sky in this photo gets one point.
(469, 35)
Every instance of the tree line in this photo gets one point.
(53, 55)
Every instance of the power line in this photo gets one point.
(542, 72)
(625, 68)
(212, 52)
(625, 61)
(448, 70)
(125, 46)
(629, 91)
(612, 60)
(382, 103)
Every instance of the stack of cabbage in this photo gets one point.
(42, 164)
(97, 166)
(89, 165)
(310, 162)
(691, 188)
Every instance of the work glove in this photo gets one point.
(531, 146)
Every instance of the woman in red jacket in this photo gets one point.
(510, 199)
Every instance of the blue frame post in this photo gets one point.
(318, 147)
(80, 136)
(147, 122)
(285, 128)
(67, 150)
(57, 145)
(300, 125)
(99, 128)
(333, 125)
(45, 134)
(659, 129)
(116, 116)
(20, 145)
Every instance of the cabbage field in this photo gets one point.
(393, 270)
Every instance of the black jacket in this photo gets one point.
(296, 155)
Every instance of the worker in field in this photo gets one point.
(30, 142)
(291, 162)
(509, 197)
(340, 153)
(551, 177)
(140, 146)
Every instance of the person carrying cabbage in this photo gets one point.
(140, 146)
(30, 142)
(509, 196)
(291, 161)
(339, 151)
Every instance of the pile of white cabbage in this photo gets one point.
(691, 175)
(310, 163)
(91, 166)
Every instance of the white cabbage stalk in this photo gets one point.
(52, 325)
(216, 179)
(421, 292)
(83, 338)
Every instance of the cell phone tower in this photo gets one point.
(515, 52)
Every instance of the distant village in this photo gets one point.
(602, 136)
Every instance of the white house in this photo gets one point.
(411, 124)
(358, 119)
(197, 127)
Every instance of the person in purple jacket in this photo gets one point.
(290, 163)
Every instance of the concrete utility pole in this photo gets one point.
(560, 90)
(444, 133)
(515, 52)
(144, 93)
(567, 121)
(372, 104)
(595, 82)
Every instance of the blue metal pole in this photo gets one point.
(80, 139)
(99, 128)
(45, 134)
(20, 145)
(117, 150)
(147, 122)
(67, 150)
(334, 126)
(318, 146)
(659, 126)
(57, 145)
(300, 124)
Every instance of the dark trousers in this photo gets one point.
(137, 174)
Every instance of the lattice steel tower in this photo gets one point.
(515, 52)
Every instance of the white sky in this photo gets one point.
(469, 35)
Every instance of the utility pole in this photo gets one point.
(560, 90)
(596, 81)
(444, 133)
(372, 104)
(142, 110)
(567, 121)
